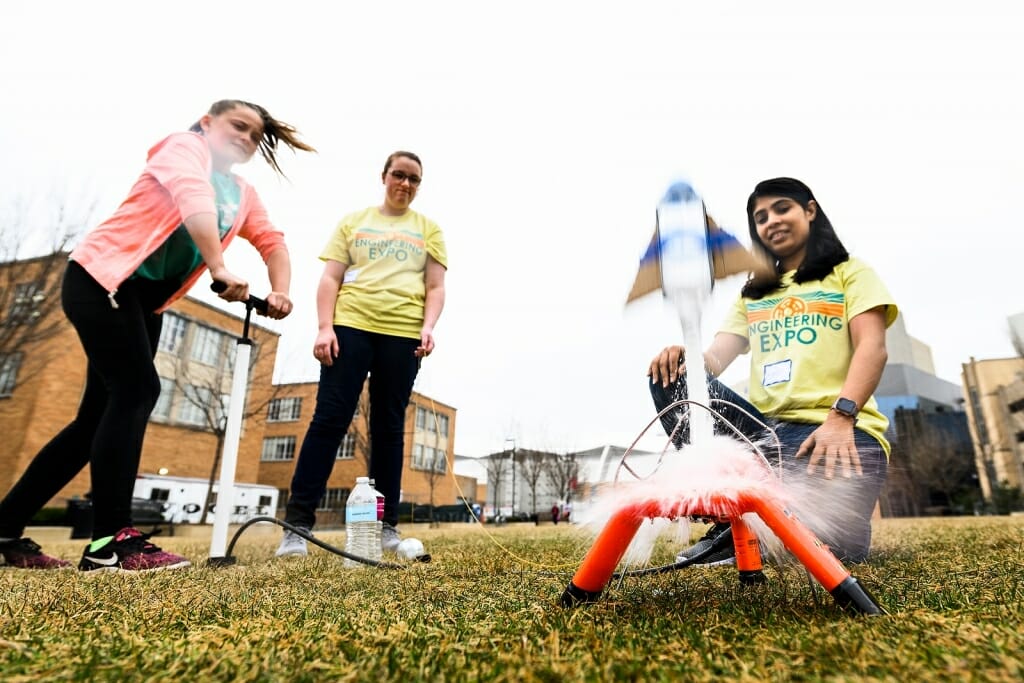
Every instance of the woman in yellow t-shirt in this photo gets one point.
(380, 295)
(816, 336)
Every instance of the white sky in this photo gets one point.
(548, 131)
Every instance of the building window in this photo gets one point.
(10, 363)
(163, 403)
(429, 421)
(347, 449)
(440, 462)
(334, 499)
(172, 333)
(284, 409)
(160, 495)
(196, 407)
(25, 306)
(423, 457)
(277, 448)
(206, 346)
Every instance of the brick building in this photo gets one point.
(994, 393)
(429, 442)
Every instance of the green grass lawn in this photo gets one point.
(486, 609)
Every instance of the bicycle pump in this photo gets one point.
(232, 434)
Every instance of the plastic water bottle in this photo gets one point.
(380, 511)
(361, 523)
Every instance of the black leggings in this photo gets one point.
(121, 389)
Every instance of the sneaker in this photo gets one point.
(293, 545)
(129, 550)
(24, 553)
(718, 540)
(389, 538)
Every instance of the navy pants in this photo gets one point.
(121, 389)
(392, 366)
(837, 510)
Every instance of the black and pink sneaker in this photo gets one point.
(129, 550)
(24, 553)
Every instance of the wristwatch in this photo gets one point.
(845, 406)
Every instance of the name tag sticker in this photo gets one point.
(350, 275)
(775, 373)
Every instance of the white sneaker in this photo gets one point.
(389, 538)
(292, 545)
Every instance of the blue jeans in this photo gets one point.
(838, 510)
(392, 366)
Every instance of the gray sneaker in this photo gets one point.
(389, 538)
(292, 545)
(718, 540)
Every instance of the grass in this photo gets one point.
(486, 609)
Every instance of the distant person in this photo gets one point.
(816, 335)
(380, 295)
(555, 513)
(181, 214)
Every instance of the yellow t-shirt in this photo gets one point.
(383, 288)
(800, 343)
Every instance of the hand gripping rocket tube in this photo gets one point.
(686, 280)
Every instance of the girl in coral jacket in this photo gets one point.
(183, 211)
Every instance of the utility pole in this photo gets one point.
(513, 474)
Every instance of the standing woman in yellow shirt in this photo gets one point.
(379, 298)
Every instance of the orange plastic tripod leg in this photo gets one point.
(748, 552)
(816, 557)
(602, 558)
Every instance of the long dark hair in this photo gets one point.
(274, 131)
(824, 250)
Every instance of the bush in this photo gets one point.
(1006, 499)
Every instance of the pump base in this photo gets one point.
(220, 561)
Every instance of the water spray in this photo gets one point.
(686, 254)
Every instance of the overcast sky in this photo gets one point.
(548, 131)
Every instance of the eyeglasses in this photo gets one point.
(402, 176)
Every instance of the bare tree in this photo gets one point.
(359, 430)
(532, 466)
(496, 465)
(563, 472)
(34, 246)
(434, 473)
(208, 405)
(936, 465)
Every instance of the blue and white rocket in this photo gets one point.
(687, 253)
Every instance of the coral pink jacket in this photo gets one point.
(174, 185)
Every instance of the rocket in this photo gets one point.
(689, 251)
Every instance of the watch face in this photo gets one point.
(846, 406)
